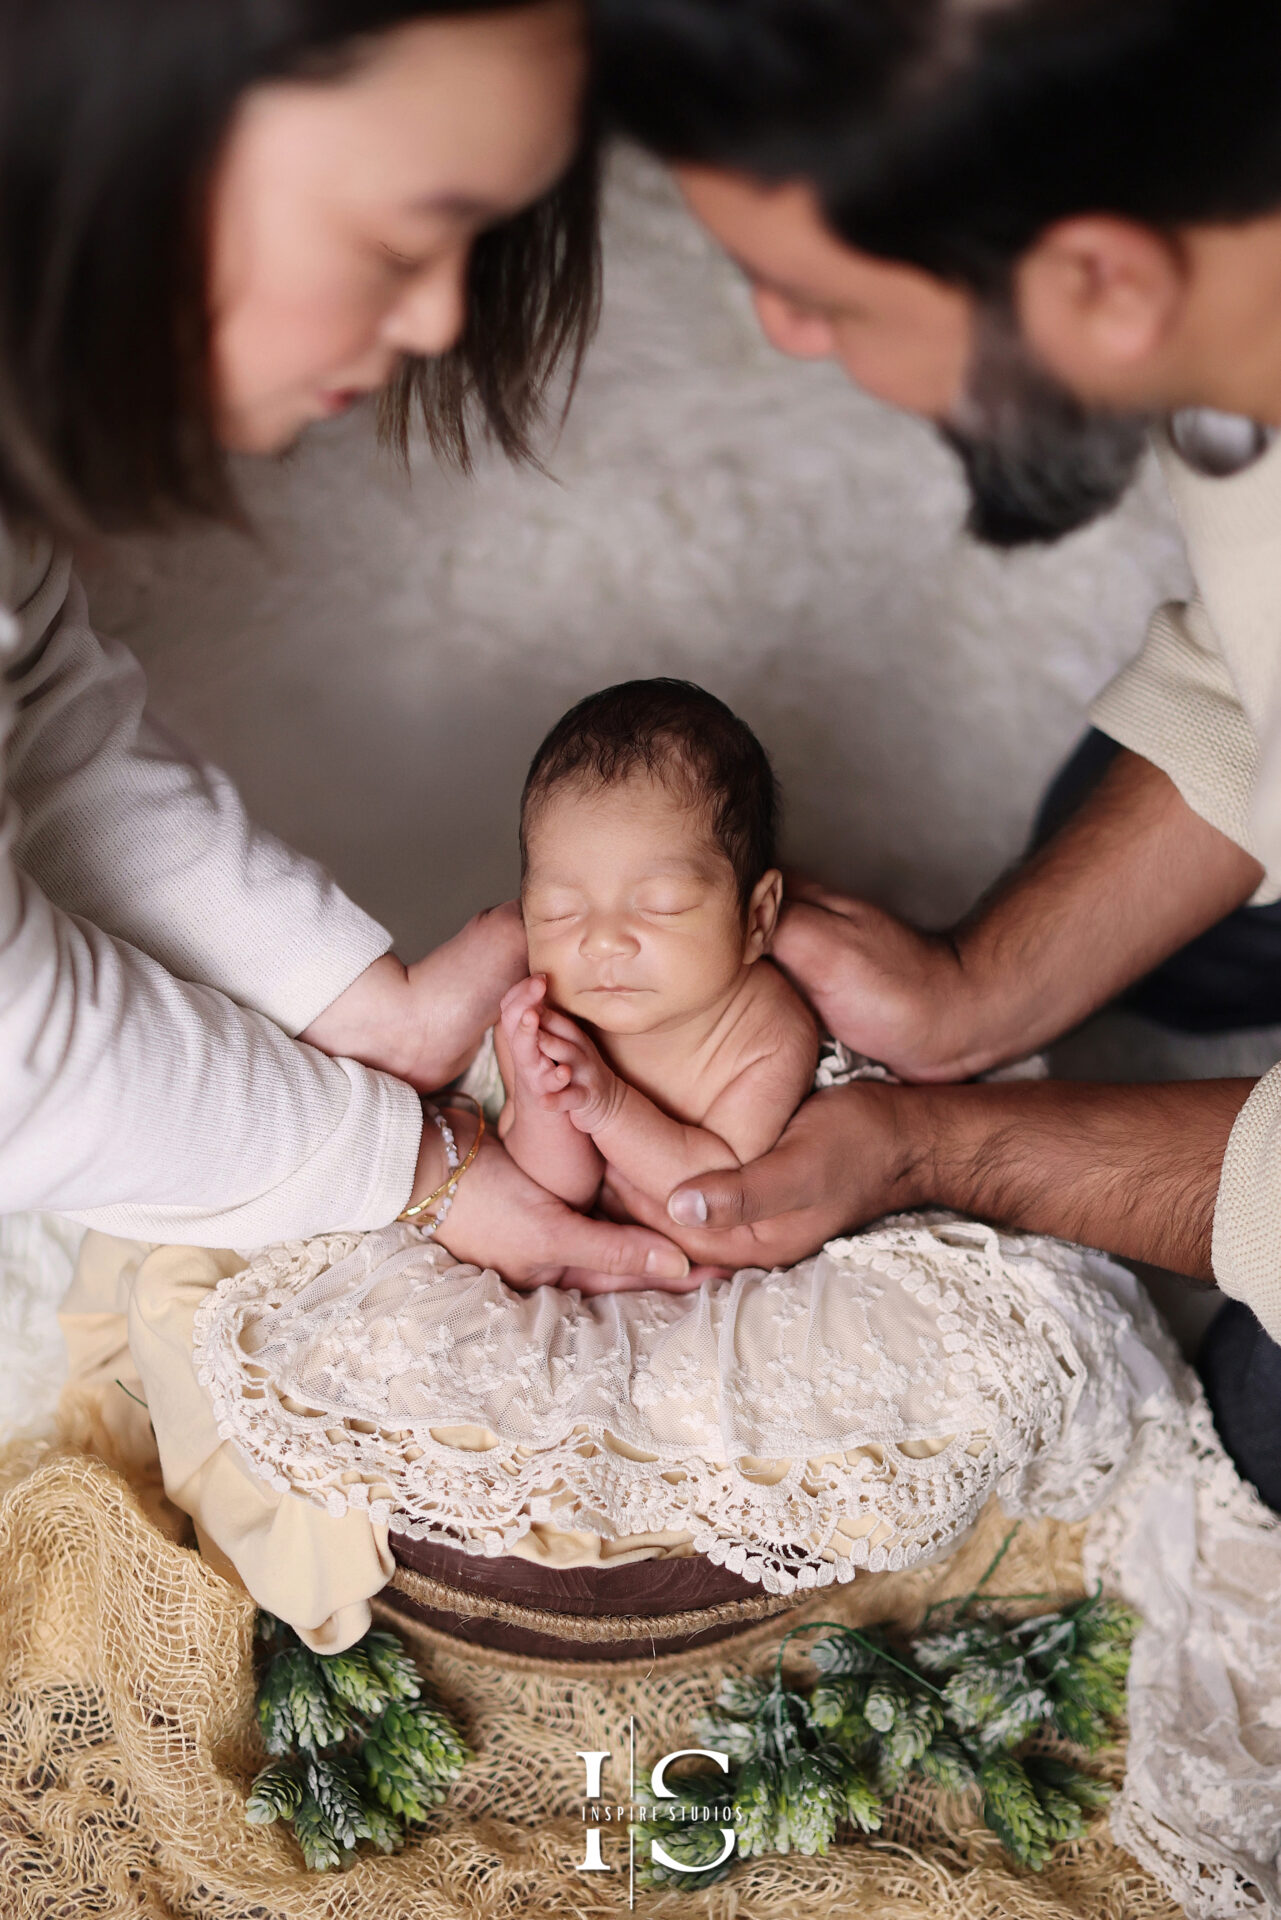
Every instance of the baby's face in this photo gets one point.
(631, 909)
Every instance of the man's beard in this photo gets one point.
(1039, 462)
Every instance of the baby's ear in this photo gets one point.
(762, 914)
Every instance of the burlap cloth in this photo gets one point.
(126, 1746)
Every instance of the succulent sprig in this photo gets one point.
(359, 1753)
(962, 1705)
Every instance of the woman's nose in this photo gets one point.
(606, 937)
(430, 316)
(793, 329)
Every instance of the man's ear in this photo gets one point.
(1099, 301)
(762, 914)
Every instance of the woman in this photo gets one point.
(217, 224)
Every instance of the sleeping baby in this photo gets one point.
(654, 1037)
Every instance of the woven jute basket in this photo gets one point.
(127, 1744)
(595, 1612)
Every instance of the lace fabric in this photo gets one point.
(857, 1411)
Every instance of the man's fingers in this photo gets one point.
(799, 887)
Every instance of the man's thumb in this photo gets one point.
(713, 1200)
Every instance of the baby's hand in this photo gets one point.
(556, 1063)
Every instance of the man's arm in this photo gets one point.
(1132, 877)
(1134, 1170)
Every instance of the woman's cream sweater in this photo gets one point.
(156, 953)
(1203, 702)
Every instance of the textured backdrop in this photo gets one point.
(378, 668)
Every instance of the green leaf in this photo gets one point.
(841, 1653)
(950, 1647)
(688, 1828)
(862, 1803)
(1013, 1811)
(756, 1796)
(275, 1794)
(393, 1665)
(740, 1739)
(1086, 1789)
(946, 1763)
(354, 1680)
(320, 1846)
(318, 1719)
(335, 1787)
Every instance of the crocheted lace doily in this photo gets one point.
(857, 1410)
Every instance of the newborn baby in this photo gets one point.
(654, 1036)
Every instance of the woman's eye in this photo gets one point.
(400, 263)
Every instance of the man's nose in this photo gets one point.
(607, 936)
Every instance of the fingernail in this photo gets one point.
(666, 1264)
(688, 1208)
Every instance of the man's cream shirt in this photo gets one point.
(1203, 702)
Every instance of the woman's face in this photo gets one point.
(343, 212)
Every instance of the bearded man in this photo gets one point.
(1052, 227)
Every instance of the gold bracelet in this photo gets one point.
(444, 1194)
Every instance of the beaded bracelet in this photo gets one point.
(443, 1198)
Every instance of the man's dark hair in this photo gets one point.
(677, 733)
(951, 133)
(112, 113)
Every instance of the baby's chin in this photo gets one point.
(626, 1012)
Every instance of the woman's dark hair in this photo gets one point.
(951, 133)
(112, 113)
(677, 733)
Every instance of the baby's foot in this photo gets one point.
(537, 1076)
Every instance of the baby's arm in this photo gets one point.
(543, 1142)
(647, 1146)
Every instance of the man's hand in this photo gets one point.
(844, 1158)
(877, 984)
(501, 1218)
(424, 1022)
(1131, 1169)
(1132, 877)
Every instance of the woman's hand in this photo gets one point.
(847, 1156)
(424, 1023)
(877, 984)
(501, 1218)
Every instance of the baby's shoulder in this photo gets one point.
(779, 1025)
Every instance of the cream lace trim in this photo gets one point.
(856, 1411)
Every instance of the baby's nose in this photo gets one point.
(608, 936)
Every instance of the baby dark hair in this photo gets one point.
(677, 733)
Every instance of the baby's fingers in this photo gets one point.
(567, 1051)
(520, 999)
(560, 1024)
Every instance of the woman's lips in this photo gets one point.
(339, 402)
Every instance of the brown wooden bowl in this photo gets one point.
(572, 1606)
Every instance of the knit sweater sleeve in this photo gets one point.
(118, 823)
(1200, 698)
(1176, 705)
(1246, 1248)
(145, 1104)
